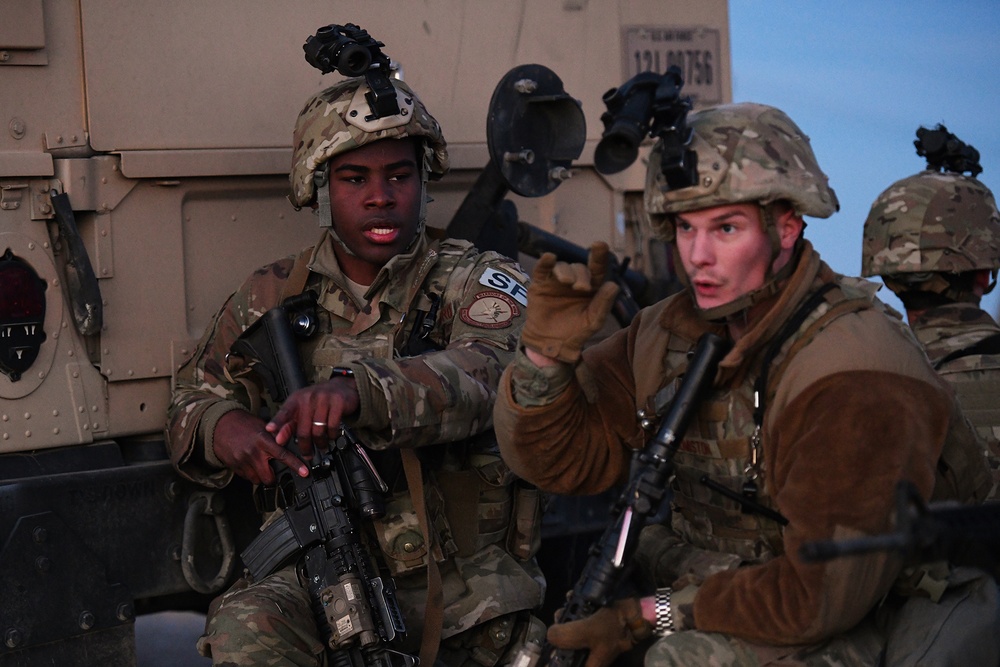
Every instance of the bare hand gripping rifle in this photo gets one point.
(321, 525)
(604, 571)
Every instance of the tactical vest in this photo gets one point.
(720, 502)
(975, 377)
(974, 373)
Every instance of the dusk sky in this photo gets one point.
(859, 78)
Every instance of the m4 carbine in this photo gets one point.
(322, 521)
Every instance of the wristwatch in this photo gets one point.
(664, 614)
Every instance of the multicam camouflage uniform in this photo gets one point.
(922, 233)
(438, 401)
(437, 397)
(830, 447)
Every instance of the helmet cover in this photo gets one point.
(338, 120)
(932, 222)
(746, 153)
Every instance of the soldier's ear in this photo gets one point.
(984, 280)
(789, 225)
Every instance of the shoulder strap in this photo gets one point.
(988, 345)
(434, 608)
(298, 276)
(791, 326)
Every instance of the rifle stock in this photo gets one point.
(964, 534)
(605, 570)
(355, 606)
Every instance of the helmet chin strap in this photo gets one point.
(736, 310)
(321, 181)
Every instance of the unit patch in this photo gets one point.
(499, 280)
(490, 310)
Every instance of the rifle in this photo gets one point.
(604, 570)
(355, 607)
(534, 241)
(964, 534)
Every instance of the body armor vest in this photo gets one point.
(723, 455)
(973, 371)
(963, 344)
(976, 381)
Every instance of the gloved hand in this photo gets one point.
(567, 304)
(607, 633)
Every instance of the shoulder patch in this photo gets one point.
(505, 283)
(490, 310)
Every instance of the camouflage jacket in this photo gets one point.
(853, 407)
(439, 401)
(948, 330)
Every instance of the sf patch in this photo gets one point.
(490, 310)
(498, 280)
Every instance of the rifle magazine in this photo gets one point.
(269, 550)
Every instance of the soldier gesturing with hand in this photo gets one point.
(569, 303)
(820, 406)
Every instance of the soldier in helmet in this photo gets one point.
(820, 407)
(418, 328)
(934, 239)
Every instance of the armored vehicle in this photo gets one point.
(144, 155)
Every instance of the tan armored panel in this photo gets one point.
(169, 127)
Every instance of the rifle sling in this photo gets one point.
(434, 611)
(790, 327)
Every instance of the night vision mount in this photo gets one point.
(351, 51)
(946, 152)
(648, 104)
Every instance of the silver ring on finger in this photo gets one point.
(321, 424)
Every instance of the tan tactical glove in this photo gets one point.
(567, 304)
(608, 633)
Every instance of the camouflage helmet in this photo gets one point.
(746, 153)
(334, 121)
(932, 222)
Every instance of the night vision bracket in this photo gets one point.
(351, 51)
(648, 104)
(946, 152)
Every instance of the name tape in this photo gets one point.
(505, 283)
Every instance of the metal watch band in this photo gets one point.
(664, 613)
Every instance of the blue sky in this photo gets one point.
(859, 78)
